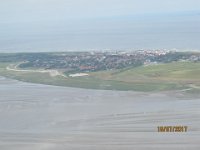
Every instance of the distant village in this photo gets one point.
(96, 61)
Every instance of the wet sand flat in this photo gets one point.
(42, 117)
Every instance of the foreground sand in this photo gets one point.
(40, 117)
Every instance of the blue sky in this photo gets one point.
(42, 25)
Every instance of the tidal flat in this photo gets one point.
(44, 117)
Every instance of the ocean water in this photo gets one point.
(169, 31)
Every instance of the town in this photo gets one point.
(96, 61)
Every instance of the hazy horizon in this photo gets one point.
(79, 25)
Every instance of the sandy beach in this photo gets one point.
(42, 117)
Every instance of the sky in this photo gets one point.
(62, 25)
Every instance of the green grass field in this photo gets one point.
(161, 77)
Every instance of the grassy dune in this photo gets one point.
(161, 77)
(178, 72)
